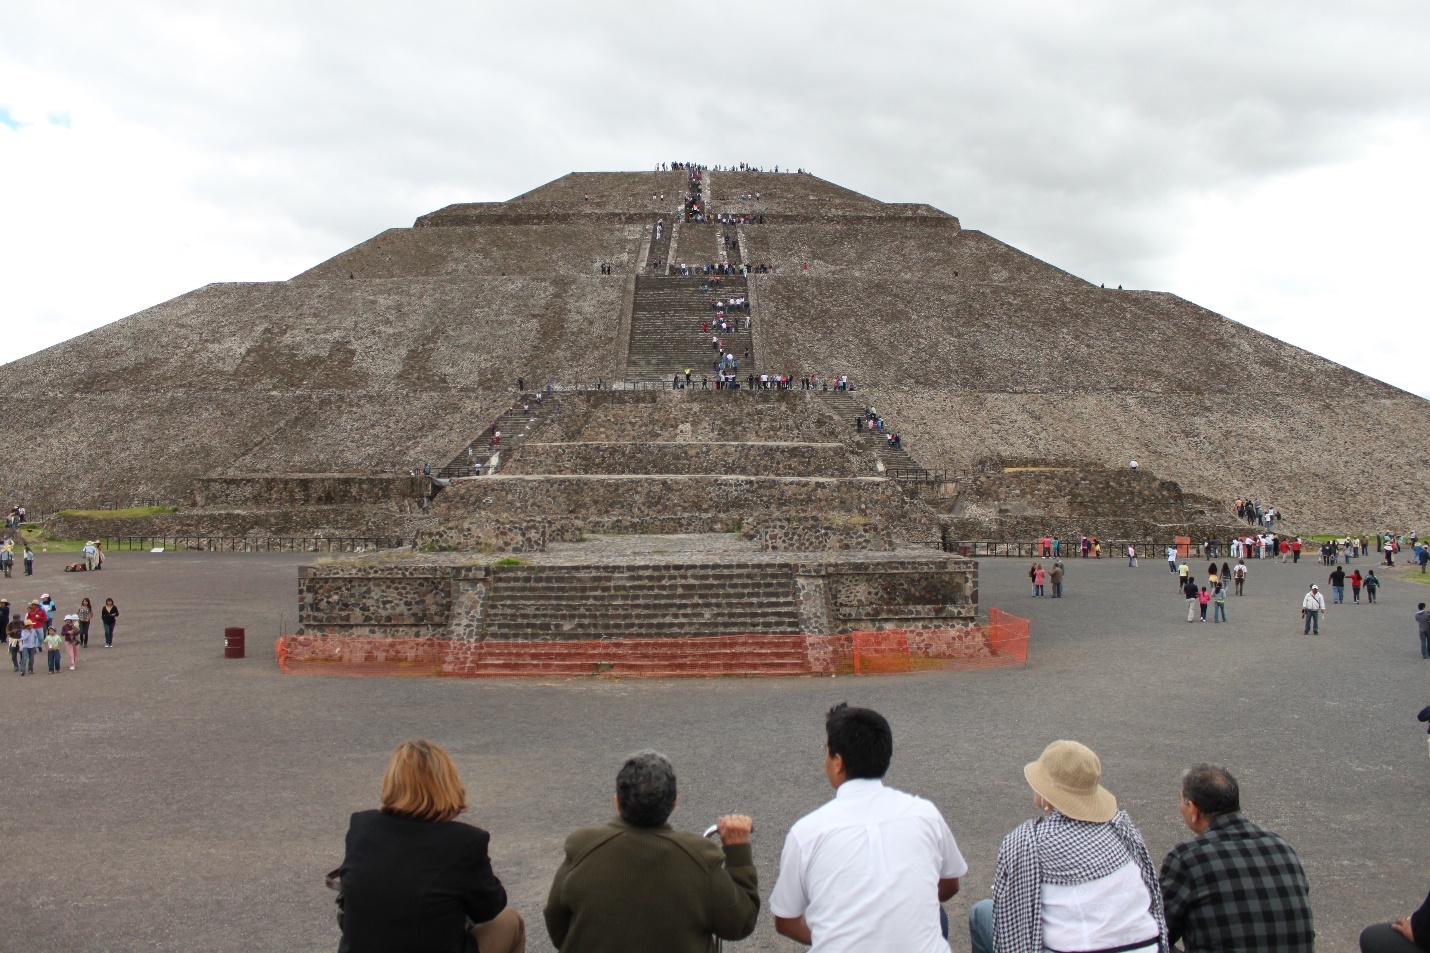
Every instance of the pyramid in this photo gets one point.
(405, 349)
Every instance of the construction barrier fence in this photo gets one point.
(1002, 641)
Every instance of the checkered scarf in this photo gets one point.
(1055, 849)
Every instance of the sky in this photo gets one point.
(1268, 160)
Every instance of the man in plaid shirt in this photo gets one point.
(1236, 885)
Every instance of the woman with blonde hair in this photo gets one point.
(413, 877)
(1077, 879)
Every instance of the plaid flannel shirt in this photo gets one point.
(1237, 887)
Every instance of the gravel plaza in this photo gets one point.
(163, 798)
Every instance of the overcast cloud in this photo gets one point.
(1266, 160)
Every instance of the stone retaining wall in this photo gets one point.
(395, 600)
(304, 489)
(653, 504)
(656, 458)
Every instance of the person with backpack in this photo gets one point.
(1238, 576)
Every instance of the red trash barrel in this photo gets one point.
(233, 643)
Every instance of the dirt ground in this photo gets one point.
(163, 798)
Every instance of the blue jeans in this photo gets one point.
(1220, 614)
(980, 926)
(1313, 617)
(52, 659)
(1339, 592)
(27, 661)
(1424, 644)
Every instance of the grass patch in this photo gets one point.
(127, 513)
(1413, 574)
(510, 561)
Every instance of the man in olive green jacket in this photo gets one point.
(636, 884)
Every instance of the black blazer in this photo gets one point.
(410, 886)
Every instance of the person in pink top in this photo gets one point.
(1040, 579)
(1203, 599)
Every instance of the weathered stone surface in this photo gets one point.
(635, 598)
(655, 458)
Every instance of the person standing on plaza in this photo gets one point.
(108, 615)
(1338, 585)
(86, 615)
(1372, 583)
(1219, 602)
(29, 644)
(1189, 589)
(48, 604)
(1238, 576)
(1131, 556)
(1172, 559)
(869, 870)
(1040, 579)
(1184, 573)
(1033, 577)
(12, 641)
(1055, 576)
(1078, 876)
(69, 633)
(1311, 608)
(1357, 580)
(91, 556)
(1422, 623)
(29, 560)
(1236, 885)
(1296, 550)
(52, 651)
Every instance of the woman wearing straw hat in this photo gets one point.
(1078, 879)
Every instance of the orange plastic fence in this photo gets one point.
(1003, 641)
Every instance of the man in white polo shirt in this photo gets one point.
(867, 871)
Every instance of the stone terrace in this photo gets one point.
(786, 193)
(571, 247)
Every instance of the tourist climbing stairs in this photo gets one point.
(516, 426)
(659, 248)
(850, 411)
(665, 328)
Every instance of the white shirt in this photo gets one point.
(863, 870)
(1314, 601)
(1101, 914)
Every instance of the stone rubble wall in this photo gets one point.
(655, 458)
(320, 489)
(700, 503)
(407, 600)
(284, 521)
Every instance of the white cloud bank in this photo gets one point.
(1265, 160)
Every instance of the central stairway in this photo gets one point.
(644, 600)
(665, 328)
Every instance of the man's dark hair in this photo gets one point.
(862, 737)
(1212, 789)
(645, 789)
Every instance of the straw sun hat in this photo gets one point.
(1067, 775)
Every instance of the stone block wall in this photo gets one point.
(696, 503)
(711, 458)
(451, 601)
(300, 489)
(782, 535)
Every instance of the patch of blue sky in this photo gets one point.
(7, 120)
(60, 119)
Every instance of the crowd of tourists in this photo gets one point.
(696, 167)
(40, 627)
(1252, 511)
(15, 517)
(869, 870)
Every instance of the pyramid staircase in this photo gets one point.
(665, 328)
